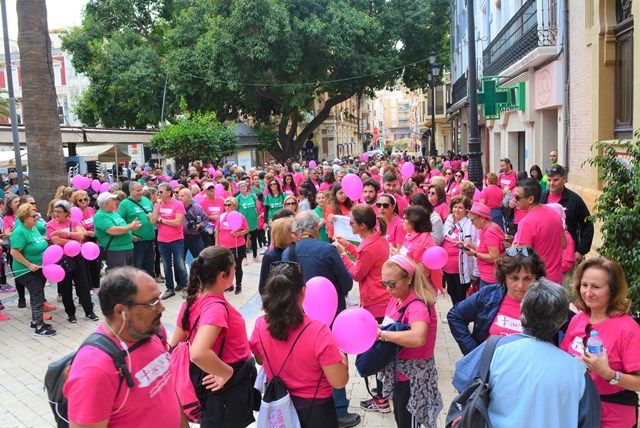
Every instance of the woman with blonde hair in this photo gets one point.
(416, 398)
(281, 237)
(62, 193)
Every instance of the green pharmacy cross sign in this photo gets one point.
(495, 98)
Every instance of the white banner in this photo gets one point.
(342, 228)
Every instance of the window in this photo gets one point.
(623, 86)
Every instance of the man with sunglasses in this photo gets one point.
(578, 217)
(318, 258)
(130, 301)
(541, 229)
(390, 186)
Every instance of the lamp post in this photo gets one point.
(433, 74)
(475, 154)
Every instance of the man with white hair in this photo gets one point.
(113, 233)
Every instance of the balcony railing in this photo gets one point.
(459, 90)
(521, 35)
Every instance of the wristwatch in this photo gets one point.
(616, 379)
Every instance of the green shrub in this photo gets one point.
(618, 208)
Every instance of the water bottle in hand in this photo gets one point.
(594, 344)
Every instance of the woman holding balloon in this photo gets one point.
(83, 213)
(27, 249)
(285, 337)
(8, 222)
(231, 229)
(416, 398)
(69, 233)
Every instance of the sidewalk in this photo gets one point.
(24, 357)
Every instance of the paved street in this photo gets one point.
(24, 357)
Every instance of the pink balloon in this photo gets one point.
(90, 250)
(355, 330)
(173, 183)
(407, 169)
(352, 186)
(52, 255)
(86, 182)
(435, 258)
(219, 189)
(211, 170)
(320, 300)
(72, 248)
(54, 273)
(312, 164)
(234, 220)
(79, 182)
(198, 198)
(76, 214)
(104, 187)
(95, 185)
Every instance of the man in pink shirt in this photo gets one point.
(390, 186)
(213, 206)
(168, 214)
(97, 396)
(541, 229)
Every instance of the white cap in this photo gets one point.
(104, 197)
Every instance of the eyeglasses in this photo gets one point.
(518, 197)
(459, 176)
(447, 173)
(210, 188)
(79, 200)
(152, 305)
(175, 192)
(228, 205)
(35, 216)
(59, 212)
(291, 204)
(523, 251)
(433, 194)
(384, 205)
(587, 333)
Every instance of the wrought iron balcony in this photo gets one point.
(522, 34)
(459, 90)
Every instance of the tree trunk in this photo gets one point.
(39, 101)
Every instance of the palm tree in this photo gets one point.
(4, 106)
(39, 101)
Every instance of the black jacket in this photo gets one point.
(579, 224)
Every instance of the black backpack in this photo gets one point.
(469, 408)
(58, 371)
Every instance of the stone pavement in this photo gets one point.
(24, 357)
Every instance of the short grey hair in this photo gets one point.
(165, 186)
(544, 309)
(133, 185)
(66, 206)
(306, 221)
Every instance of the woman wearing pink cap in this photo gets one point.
(490, 243)
(416, 398)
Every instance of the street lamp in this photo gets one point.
(433, 74)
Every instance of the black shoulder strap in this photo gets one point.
(487, 356)
(136, 202)
(403, 309)
(288, 354)
(293, 256)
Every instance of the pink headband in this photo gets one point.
(405, 263)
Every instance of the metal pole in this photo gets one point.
(475, 155)
(12, 101)
(433, 151)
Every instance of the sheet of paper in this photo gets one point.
(343, 228)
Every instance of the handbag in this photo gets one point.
(382, 353)
(68, 263)
(474, 287)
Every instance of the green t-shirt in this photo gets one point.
(323, 236)
(275, 204)
(248, 208)
(31, 244)
(130, 210)
(41, 225)
(103, 221)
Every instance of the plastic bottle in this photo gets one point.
(594, 344)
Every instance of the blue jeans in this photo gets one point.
(172, 254)
(342, 403)
(143, 256)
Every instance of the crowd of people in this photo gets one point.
(519, 233)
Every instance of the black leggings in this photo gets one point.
(401, 394)
(253, 235)
(239, 254)
(456, 290)
(316, 412)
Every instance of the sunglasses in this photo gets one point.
(458, 175)
(554, 170)
(384, 205)
(523, 251)
(291, 204)
(35, 216)
(447, 173)
(433, 193)
(518, 197)
(79, 200)
(390, 284)
(228, 205)
(587, 333)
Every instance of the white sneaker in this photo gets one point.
(351, 301)
(262, 250)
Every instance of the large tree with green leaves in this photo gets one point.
(269, 59)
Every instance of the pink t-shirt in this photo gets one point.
(54, 225)
(507, 320)
(395, 231)
(492, 195)
(490, 236)
(315, 348)
(554, 199)
(621, 339)
(212, 208)
(8, 221)
(415, 244)
(442, 210)
(87, 218)
(325, 186)
(93, 383)
(169, 211)
(507, 180)
(449, 244)
(402, 204)
(542, 230)
(569, 253)
(211, 312)
(225, 238)
(298, 178)
(416, 311)
(454, 190)
(518, 215)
